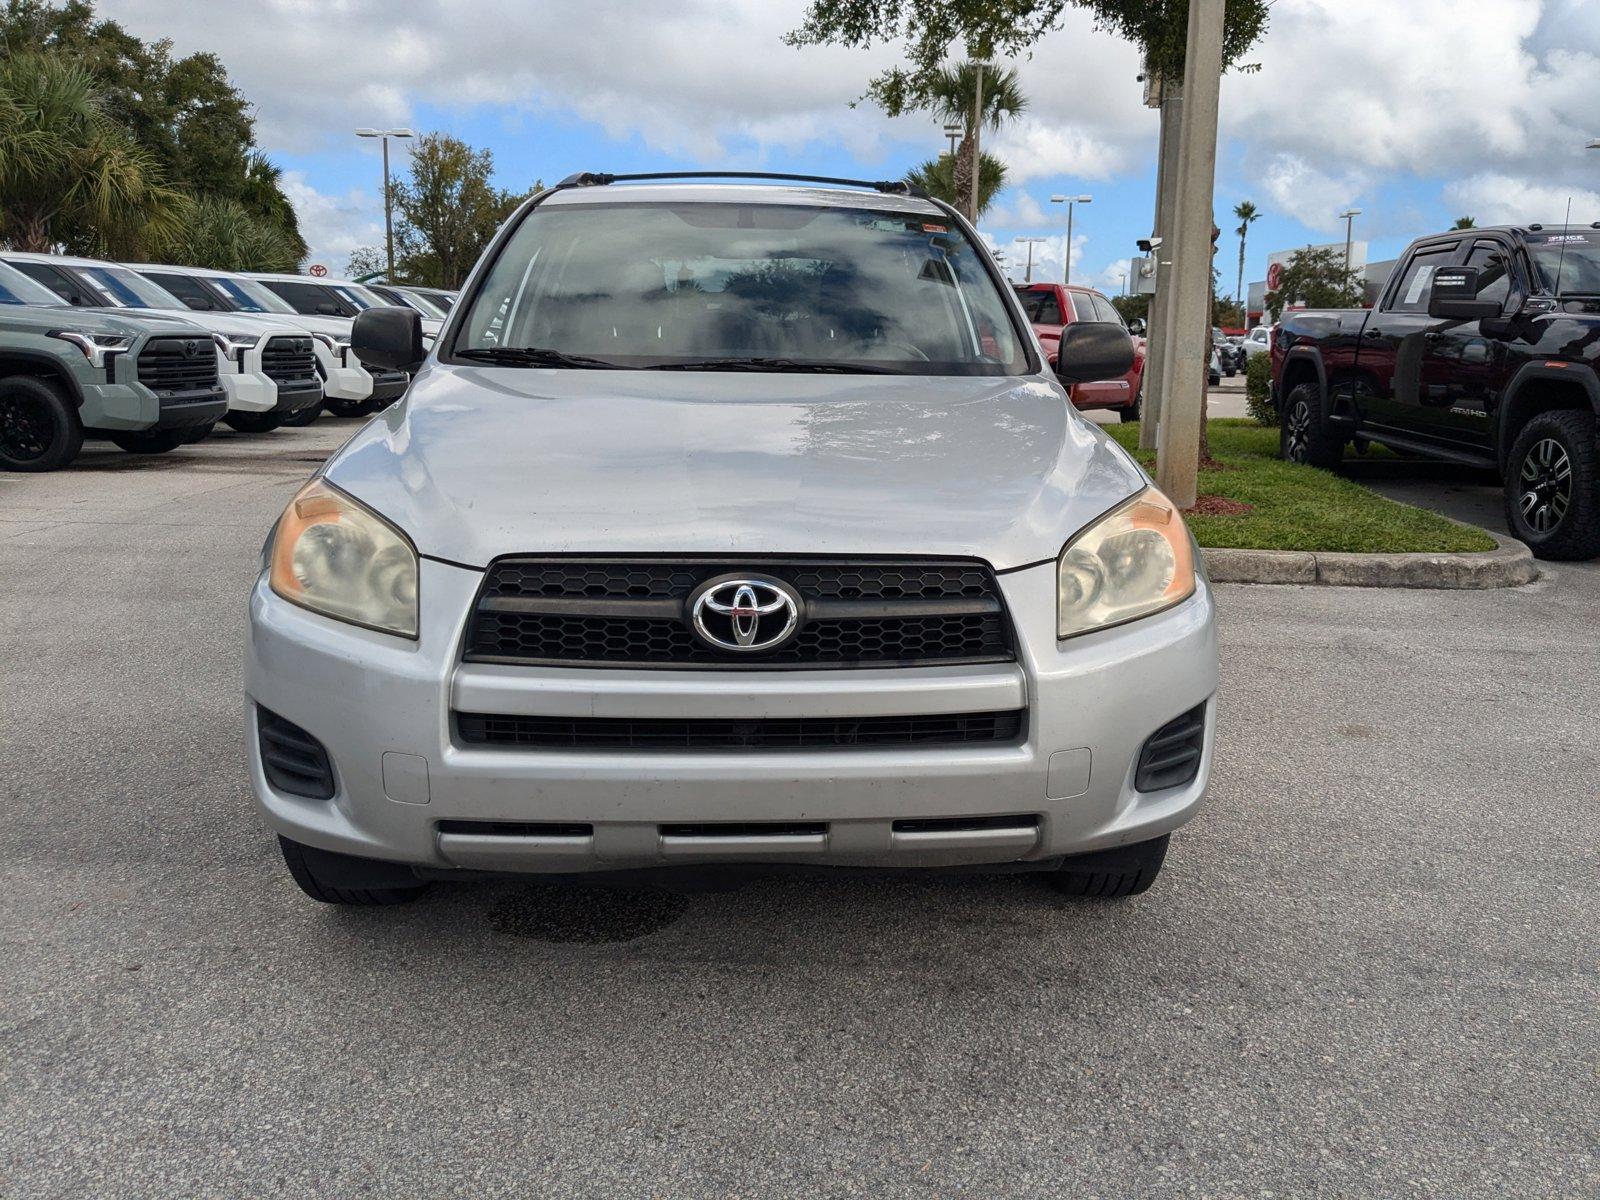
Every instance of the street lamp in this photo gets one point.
(1594, 145)
(1349, 215)
(388, 220)
(954, 132)
(1030, 242)
(1069, 201)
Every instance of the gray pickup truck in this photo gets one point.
(144, 381)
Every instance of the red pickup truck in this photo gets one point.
(1050, 307)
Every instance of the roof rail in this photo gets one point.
(893, 187)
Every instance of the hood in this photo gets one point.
(226, 322)
(335, 327)
(479, 462)
(133, 321)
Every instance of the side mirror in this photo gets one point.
(327, 308)
(1455, 296)
(1136, 327)
(1092, 351)
(197, 304)
(389, 337)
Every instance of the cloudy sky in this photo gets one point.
(1416, 111)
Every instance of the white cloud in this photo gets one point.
(333, 226)
(1493, 199)
(1309, 195)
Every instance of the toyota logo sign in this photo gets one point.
(744, 615)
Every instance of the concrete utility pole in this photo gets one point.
(1031, 242)
(977, 140)
(1189, 338)
(1157, 324)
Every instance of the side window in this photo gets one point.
(310, 299)
(60, 283)
(1083, 306)
(1416, 283)
(1106, 311)
(1494, 271)
(1046, 309)
(185, 288)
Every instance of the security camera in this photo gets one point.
(1149, 245)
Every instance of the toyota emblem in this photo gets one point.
(190, 349)
(744, 615)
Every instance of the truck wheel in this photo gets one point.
(198, 433)
(1107, 874)
(304, 417)
(344, 879)
(151, 441)
(39, 429)
(1553, 486)
(346, 408)
(1303, 437)
(249, 422)
(1131, 413)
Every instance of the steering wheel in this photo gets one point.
(913, 351)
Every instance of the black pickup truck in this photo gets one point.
(1483, 349)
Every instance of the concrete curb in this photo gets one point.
(1509, 564)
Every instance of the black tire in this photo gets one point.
(1552, 486)
(346, 408)
(1303, 435)
(254, 422)
(39, 427)
(332, 878)
(1131, 413)
(304, 417)
(1107, 874)
(151, 441)
(198, 433)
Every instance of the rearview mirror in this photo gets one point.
(1092, 351)
(1455, 296)
(389, 337)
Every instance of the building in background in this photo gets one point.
(1375, 274)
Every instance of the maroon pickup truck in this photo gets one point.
(1482, 350)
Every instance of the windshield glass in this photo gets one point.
(419, 302)
(1579, 268)
(17, 288)
(659, 284)
(250, 296)
(357, 295)
(442, 300)
(128, 288)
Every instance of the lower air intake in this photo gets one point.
(292, 760)
(772, 733)
(1171, 756)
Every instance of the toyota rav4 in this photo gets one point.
(738, 524)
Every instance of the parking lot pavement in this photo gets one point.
(1224, 400)
(1369, 968)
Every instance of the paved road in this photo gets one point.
(1368, 970)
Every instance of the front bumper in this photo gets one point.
(343, 377)
(248, 391)
(382, 706)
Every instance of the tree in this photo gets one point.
(365, 261)
(226, 236)
(938, 178)
(1317, 279)
(1248, 215)
(447, 211)
(1464, 223)
(69, 174)
(1136, 306)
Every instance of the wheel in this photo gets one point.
(249, 422)
(1131, 413)
(345, 408)
(344, 879)
(151, 441)
(1553, 486)
(1302, 435)
(198, 433)
(39, 428)
(305, 416)
(1107, 874)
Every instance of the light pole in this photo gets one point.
(388, 220)
(1030, 242)
(1349, 215)
(953, 132)
(1594, 145)
(1069, 201)
(977, 138)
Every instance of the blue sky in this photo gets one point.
(1416, 113)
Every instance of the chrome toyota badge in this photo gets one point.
(744, 615)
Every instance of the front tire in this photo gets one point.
(39, 427)
(304, 417)
(251, 422)
(1303, 435)
(151, 441)
(1552, 486)
(332, 878)
(346, 408)
(1131, 413)
(1108, 874)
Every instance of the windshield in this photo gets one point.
(1578, 266)
(128, 289)
(17, 288)
(421, 303)
(748, 285)
(357, 295)
(249, 296)
(442, 300)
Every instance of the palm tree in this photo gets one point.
(1464, 223)
(225, 235)
(66, 168)
(1247, 214)
(949, 97)
(937, 177)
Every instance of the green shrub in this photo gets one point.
(1258, 389)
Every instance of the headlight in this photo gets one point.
(234, 345)
(1136, 560)
(337, 557)
(95, 346)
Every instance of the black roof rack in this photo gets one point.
(893, 187)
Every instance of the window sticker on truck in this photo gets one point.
(1419, 283)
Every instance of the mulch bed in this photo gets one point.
(1219, 506)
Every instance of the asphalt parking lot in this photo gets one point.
(1369, 969)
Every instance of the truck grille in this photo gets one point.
(172, 364)
(289, 360)
(635, 613)
(767, 733)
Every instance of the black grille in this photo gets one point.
(292, 760)
(289, 360)
(772, 733)
(636, 613)
(178, 365)
(1171, 755)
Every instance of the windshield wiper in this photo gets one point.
(532, 356)
(818, 366)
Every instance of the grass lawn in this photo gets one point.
(1301, 508)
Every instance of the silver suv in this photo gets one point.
(730, 525)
